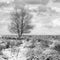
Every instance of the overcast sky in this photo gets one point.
(46, 24)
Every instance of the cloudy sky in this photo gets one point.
(46, 22)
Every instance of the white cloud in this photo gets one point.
(56, 8)
(56, 22)
(8, 1)
(46, 25)
(4, 27)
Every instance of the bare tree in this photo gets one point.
(20, 22)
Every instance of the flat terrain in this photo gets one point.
(29, 47)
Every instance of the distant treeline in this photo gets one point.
(15, 37)
(44, 37)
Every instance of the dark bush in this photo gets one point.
(57, 48)
(2, 47)
(39, 40)
(8, 45)
(27, 39)
(49, 58)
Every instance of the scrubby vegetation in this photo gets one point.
(44, 51)
(30, 48)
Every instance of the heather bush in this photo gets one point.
(34, 53)
(42, 51)
(50, 54)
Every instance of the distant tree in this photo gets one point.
(56, 1)
(20, 22)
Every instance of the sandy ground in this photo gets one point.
(17, 54)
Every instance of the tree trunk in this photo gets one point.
(19, 35)
(18, 31)
(21, 26)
